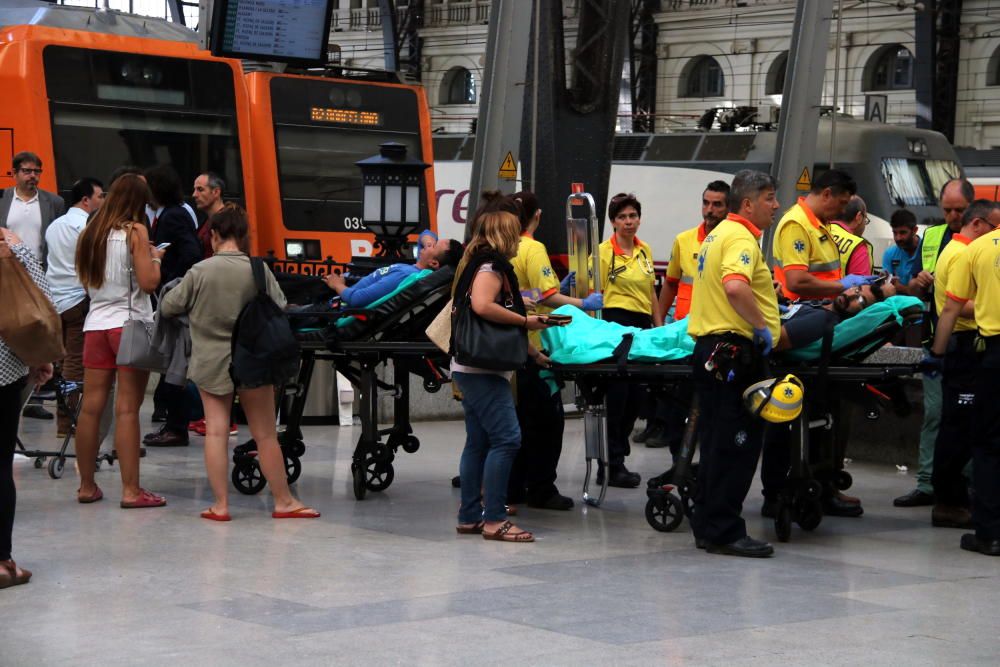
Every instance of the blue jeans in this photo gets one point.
(492, 438)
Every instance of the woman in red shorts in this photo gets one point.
(115, 263)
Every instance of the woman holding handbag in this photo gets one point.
(490, 341)
(213, 294)
(119, 269)
(14, 377)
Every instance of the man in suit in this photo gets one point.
(26, 210)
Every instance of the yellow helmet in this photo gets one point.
(775, 400)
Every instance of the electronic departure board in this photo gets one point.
(290, 31)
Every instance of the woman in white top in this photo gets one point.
(120, 269)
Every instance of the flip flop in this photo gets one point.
(300, 513)
(469, 528)
(212, 516)
(503, 534)
(92, 498)
(145, 499)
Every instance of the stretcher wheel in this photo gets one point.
(783, 522)
(248, 478)
(358, 481)
(411, 445)
(380, 452)
(56, 465)
(812, 490)
(39, 462)
(843, 480)
(294, 448)
(432, 386)
(378, 475)
(687, 490)
(810, 516)
(293, 468)
(664, 511)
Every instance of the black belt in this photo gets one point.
(728, 337)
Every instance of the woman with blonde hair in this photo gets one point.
(493, 435)
(119, 269)
(213, 293)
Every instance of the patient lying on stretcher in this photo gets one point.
(803, 322)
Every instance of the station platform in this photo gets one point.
(388, 581)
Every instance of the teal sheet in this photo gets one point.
(407, 281)
(586, 340)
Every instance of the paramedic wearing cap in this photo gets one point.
(734, 320)
(627, 277)
(975, 276)
(953, 447)
(807, 264)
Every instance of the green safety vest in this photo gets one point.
(931, 246)
(846, 243)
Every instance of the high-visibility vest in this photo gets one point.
(931, 246)
(846, 243)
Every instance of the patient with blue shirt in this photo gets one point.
(377, 284)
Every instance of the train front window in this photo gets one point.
(111, 109)
(321, 129)
(917, 182)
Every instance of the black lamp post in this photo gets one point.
(393, 197)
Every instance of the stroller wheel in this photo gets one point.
(248, 478)
(293, 468)
(664, 511)
(783, 522)
(56, 465)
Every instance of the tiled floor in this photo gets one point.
(387, 580)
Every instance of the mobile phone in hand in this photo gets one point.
(163, 246)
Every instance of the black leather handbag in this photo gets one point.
(480, 343)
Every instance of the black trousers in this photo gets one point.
(953, 448)
(986, 445)
(175, 400)
(540, 414)
(625, 399)
(730, 439)
(10, 414)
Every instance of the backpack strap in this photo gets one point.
(257, 265)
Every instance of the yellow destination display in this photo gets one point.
(345, 116)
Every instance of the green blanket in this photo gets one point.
(586, 340)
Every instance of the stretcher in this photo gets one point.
(358, 342)
(838, 367)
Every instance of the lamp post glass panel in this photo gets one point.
(393, 192)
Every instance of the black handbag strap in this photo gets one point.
(257, 266)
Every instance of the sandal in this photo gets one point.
(469, 528)
(92, 498)
(503, 534)
(12, 575)
(145, 499)
(212, 516)
(300, 513)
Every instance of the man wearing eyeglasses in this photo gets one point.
(856, 254)
(26, 210)
(960, 359)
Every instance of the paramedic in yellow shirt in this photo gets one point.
(627, 279)
(973, 278)
(539, 409)
(806, 257)
(734, 321)
(684, 256)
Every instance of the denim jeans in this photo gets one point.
(492, 438)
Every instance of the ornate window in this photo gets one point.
(702, 77)
(891, 68)
(458, 87)
(775, 82)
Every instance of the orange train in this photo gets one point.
(89, 91)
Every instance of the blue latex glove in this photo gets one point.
(593, 301)
(763, 339)
(567, 284)
(782, 308)
(931, 364)
(853, 281)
